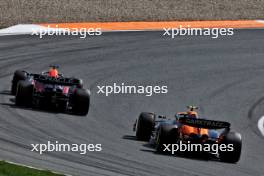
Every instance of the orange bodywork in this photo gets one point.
(187, 130)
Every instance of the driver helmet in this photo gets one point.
(191, 111)
(192, 114)
(53, 72)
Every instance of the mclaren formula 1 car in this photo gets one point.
(186, 128)
(50, 90)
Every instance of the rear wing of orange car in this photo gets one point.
(203, 123)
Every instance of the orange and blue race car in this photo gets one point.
(51, 90)
(211, 137)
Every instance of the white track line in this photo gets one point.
(21, 29)
(260, 21)
(261, 125)
(36, 168)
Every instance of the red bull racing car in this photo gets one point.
(50, 89)
(208, 137)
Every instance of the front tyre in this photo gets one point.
(145, 125)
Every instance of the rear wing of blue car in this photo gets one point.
(203, 123)
(52, 80)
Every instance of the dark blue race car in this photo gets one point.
(50, 90)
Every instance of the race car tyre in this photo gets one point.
(81, 101)
(24, 93)
(145, 125)
(167, 134)
(18, 75)
(235, 139)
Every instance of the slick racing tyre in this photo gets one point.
(18, 75)
(81, 101)
(145, 125)
(235, 139)
(24, 93)
(167, 134)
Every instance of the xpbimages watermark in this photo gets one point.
(62, 147)
(122, 88)
(190, 31)
(56, 31)
(192, 147)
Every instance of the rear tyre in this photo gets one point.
(167, 134)
(24, 93)
(145, 126)
(18, 75)
(81, 101)
(235, 139)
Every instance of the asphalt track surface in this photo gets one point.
(223, 76)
